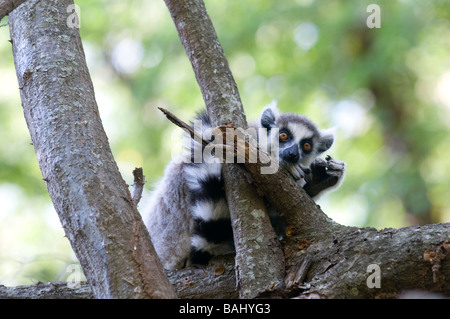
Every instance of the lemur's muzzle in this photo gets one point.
(291, 154)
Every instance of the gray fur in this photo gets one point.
(168, 217)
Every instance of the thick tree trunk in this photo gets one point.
(91, 198)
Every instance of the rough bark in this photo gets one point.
(339, 268)
(91, 198)
(259, 258)
(345, 258)
(52, 290)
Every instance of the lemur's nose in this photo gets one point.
(291, 154)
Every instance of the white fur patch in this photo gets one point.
(274, 107)
(300, 131)
(201, 243)
(208, 211)
(200, 172)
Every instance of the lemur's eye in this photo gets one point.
(307, 146)
(283, 136)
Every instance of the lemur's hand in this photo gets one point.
(324, 175)
(298, 171)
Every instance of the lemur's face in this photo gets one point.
(299, 140)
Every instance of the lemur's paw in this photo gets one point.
(298, 171)
(334, 167)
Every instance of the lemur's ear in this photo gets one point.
(269, 115)
(326, 140)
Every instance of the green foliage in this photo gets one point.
(385, 90)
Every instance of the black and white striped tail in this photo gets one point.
(213, 234)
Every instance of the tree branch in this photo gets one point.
(337, 269)
(7, 6)
(175, 120)
(305, 219)
(139, 182)
(89, 194)
(51, 290)
(259, 258)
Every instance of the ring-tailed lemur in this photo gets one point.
(188, 217)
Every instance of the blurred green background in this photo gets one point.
(386, 91)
